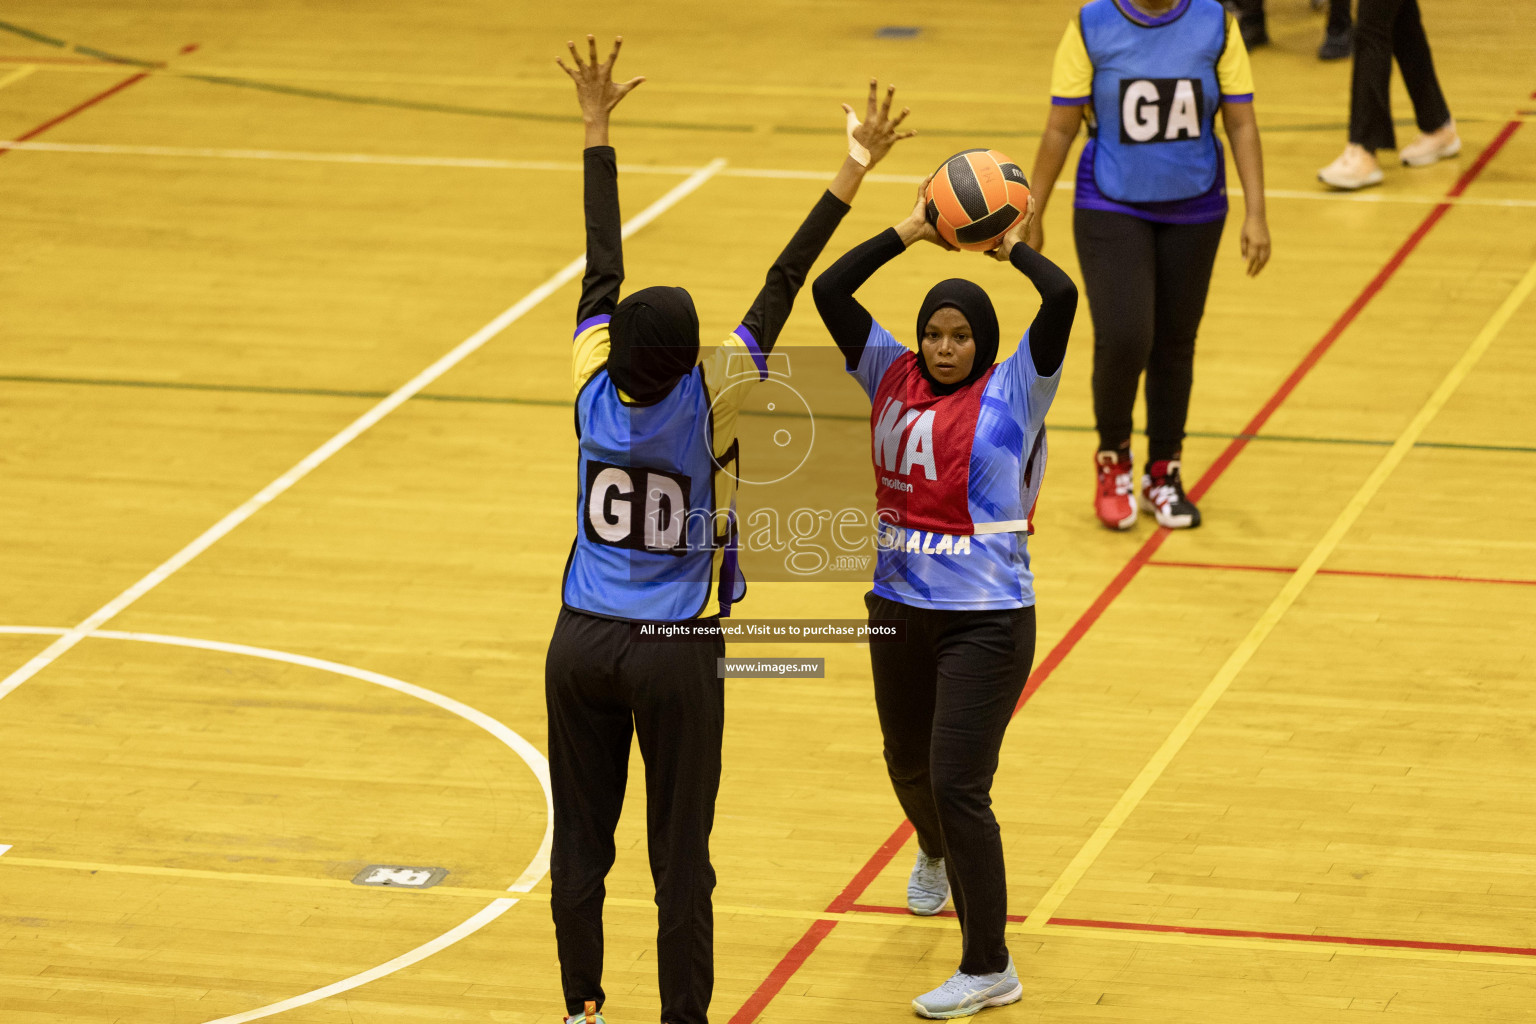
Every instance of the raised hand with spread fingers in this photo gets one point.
(596, 90)
(869, 140)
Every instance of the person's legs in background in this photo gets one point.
(1186, 255)
(1118, 257)
(1339, 37)
(1384, 29)
(1250, 21)
(1370, 99)
(1437, 139)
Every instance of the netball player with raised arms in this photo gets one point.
(958, 450)
(655, 540)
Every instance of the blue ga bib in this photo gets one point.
(1155, 95)
(649, 545)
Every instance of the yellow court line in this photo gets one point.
(17, 75)
(1292, 947)
(1142, 784)
(458, 891)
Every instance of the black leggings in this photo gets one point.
(1147, 284)
(601, 687)
(1385, 29)
(945, 697)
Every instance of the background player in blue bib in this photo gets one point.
(655, 541)
(1150, 202)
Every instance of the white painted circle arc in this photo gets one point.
(531, 875)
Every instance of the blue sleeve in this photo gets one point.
(1027, 392)
(881, 349)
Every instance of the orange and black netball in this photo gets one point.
(975, 198)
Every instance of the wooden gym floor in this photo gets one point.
(277, 584)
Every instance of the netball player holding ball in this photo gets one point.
(1151, 200)
(655, 542)
(958, 448)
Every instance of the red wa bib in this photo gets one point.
(920, 444)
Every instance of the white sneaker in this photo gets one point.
(1436, 146)
(965, 994)
(1354, 169)
(928, 886)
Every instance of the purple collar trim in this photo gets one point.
(1142, 18)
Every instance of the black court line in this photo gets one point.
(554, 403)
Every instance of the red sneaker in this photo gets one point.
(1162, 494)
(1114, 502)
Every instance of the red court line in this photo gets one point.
(1242, 933)
(88, 104)
(108, 94)
(843, 902)
(872, 868)
(1349, 572)
(801, 951)
(758, 1001)
(1370, 291)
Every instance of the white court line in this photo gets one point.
(531, 876)
(399, 160)
(70, 638)
(487, 163)
(4, 849)
(315, 458)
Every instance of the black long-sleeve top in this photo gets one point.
(605, 242)
(605, 254)
(849, 321)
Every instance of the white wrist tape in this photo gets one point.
(858, 152)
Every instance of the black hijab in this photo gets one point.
(654, 338)
(969, 298)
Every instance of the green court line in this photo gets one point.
(38, 37)
(113, 58)
(448, 108)
(376, 101)
(553, 403)
(529, 115)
